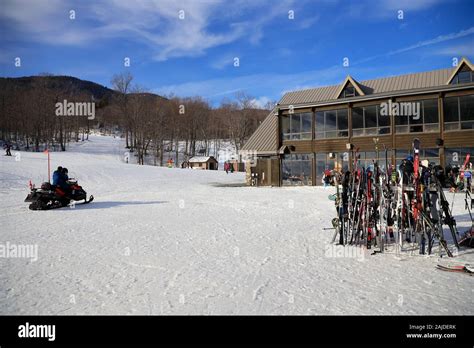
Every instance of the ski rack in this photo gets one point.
(380, 209)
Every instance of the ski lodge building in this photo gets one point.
(312, 130)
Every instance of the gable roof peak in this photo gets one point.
(354, 84)
(464, 61)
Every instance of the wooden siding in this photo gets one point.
(301, 146)
(464, 138)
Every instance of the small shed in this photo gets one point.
(203, 162)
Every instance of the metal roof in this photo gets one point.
(395, 84)
(264, 140)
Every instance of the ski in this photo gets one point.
(457, 269)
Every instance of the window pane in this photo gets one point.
(467, 107)
(416, 128)
(434, 127)
(402, 153)
(384, 130)
(285, 124)
(342, 119)
(370, 116)
(319, 121)
(357, 118)
(401, 120)
(371, 131)
(296, 169)
(320, 167)
(467, 125)
(451, 126)
(415, 113)
(384, 121)
(451, 109)
(464, 77)
(306, 122)
(358, 132)
(330, 120)
(295, 123)
(453, 156)
(349, 91)
(431, 153)
(401, 129)
(430, 110)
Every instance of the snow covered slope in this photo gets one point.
(178, 241)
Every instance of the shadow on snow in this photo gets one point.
(112, 204)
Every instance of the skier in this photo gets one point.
(226, 167)
(7, 149)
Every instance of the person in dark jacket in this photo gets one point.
(65, 178)
(57, 174)
(7, 150)
(65, 174)
(406, 167)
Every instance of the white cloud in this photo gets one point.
(261, 102)
(155, 23)
(384, 9)
(460, 50)
(421, 44)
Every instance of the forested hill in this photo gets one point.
(67, 84)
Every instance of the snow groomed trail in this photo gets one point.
(179, 241)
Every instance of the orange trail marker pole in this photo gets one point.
(49, 166)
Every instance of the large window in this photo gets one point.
(455, 157)
(296, 126)
(331, 161)
(368, 121)
(331, 124)
(430, 154)
(297, 169)
(427, 120)
(459, 112)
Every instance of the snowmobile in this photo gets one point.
(51, 197)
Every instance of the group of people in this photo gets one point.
(228, 167)
(459, 178)
(60, 178)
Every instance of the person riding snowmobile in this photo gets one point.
(57, 176)
(63, 181)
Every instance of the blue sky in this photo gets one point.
(195, 55)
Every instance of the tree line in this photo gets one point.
(150, 124)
